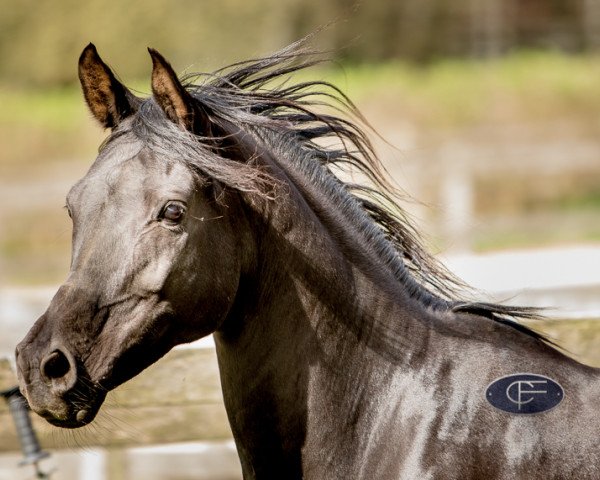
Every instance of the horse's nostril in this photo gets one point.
(56, 365)
(59, 370)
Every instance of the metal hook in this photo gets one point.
(30, 445)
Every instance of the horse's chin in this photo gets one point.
(73, 415)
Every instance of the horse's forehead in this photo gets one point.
(140, 174)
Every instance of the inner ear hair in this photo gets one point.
(108, 99)
(170, 94)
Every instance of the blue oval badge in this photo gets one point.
(524, 393)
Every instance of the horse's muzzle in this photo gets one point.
(54, 388)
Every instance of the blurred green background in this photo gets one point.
(493, 106)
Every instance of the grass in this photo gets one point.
(581, 201)
(52, 109)
(40, 128)
(461, 93)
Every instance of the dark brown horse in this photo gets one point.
(344, 350)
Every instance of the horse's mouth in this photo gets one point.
(78, 419)
(81, 418)
(72, 415)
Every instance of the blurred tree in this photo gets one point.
(591, 23)
(40, 40)
(488, 19)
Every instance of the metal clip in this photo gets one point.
(30, 445)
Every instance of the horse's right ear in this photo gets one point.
(109, 100)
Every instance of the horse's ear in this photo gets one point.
(109, 100)
(177, 103)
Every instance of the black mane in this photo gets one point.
(257, 97)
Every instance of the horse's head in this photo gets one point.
(154, 259)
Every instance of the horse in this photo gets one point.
(218, 205)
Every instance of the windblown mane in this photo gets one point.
(258, 98)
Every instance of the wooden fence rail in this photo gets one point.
(175, 400)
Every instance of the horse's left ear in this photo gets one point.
(177, 103)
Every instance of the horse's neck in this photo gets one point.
(315, 266)
(317, 321)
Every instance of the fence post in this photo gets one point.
(116, 464)
(457, 199)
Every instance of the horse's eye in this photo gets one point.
(173, 212)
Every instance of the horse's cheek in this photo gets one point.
(152, 277)
(155, 264)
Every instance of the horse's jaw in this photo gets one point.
(64, 379)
